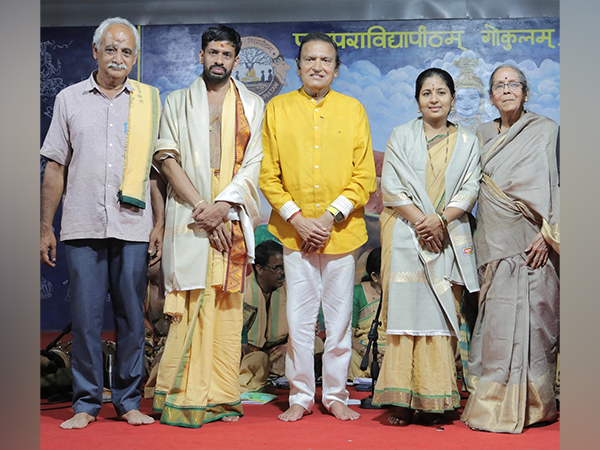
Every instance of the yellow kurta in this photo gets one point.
(314, 153)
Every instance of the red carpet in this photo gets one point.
(260, 429)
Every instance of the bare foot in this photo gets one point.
(135, 417)
(230, 418)
(343, 412)
(401, 417)
(293, 413)
(78, 421)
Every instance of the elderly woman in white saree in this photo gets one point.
(512, 364)
(430, 181)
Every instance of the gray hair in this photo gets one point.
(522, 77)
(97, 39)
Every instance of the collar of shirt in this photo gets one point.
(323, 100)
(91, 84)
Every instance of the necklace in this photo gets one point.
(433, 138)
(428, 147)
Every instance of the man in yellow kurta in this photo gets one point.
(318, 173)
(209, 150)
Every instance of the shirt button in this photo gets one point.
(317, 186)
(317, 205)
(316, 128)
(316, 167)
(111, 104)
(110, 145)
(111, 124)
(110, 165)
(316, 110)
(316, 146)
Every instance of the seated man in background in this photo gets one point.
(264, 343)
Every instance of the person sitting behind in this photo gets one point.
(367, 296)
(264, 342)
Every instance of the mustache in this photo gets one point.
(217, 65)
(113, 65)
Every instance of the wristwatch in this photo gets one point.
(336, 213)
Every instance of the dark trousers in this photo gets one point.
(97, 267)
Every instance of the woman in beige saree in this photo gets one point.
(512, 363)
(430, 180)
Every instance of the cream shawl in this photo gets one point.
(184, 132)
(420, 300)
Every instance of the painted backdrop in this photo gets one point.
(380, 62)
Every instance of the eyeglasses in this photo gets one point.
(513, 86)
(278, 268)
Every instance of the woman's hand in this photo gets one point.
(430, 232)
(537, 252)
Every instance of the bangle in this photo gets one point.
(199, 203)
(294, 215)
(442, 221)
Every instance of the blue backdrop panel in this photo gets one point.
(380, 61)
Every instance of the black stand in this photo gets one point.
(57, 394)
(51, 356)
(367, 403)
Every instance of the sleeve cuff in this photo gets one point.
(288, 210)
(460, 205)
(343, 205)
(233, 214)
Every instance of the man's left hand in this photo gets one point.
(220, 238)
(316, 242)
(211, 216)
(326, 219)
(155, 246)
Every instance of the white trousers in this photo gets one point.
(312, 280)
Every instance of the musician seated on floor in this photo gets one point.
(265, 333)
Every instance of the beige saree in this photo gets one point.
(512, 363)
